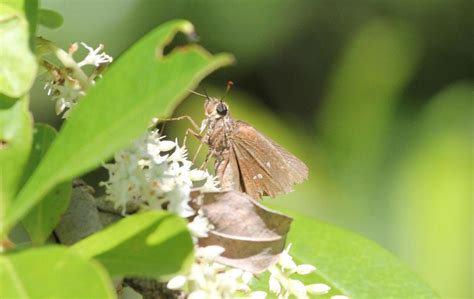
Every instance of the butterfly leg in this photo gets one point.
(209, 154)
(187, 117)
(198, 137)
(197, 152)
(188, 131)
(193, 133)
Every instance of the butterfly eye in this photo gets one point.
(221, 109)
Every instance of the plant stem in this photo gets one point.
(67, 60)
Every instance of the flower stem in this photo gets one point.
(67, 60)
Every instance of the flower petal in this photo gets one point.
(197, 175)
(176, 282)
(200, 294)
(297, 288)
(258, 295)
(234, 273)
(274, 285)
(286, 261)
(305, 269)
(247, 277)
(210, 252)
(318, 288)
(200, 226)
(166, 145)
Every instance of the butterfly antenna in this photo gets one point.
(205, 92)
(229, 86)
(197, 93)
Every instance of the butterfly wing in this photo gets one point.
(261, 166)
(228, 171)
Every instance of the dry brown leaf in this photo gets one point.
(253, 235)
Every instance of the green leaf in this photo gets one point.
(358, 109)
(434, 177)
(15, 4)
(364, 87)
(52, 272)
(29, 8)
(50, 18)
(17, 63)
(142, 84)
(15, 144)
(42, 219)
(31, 11)
(350, 264)
(153, 244)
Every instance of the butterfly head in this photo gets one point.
(215, 108)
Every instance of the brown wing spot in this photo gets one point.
(3, 144)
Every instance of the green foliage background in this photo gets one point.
(375, 96)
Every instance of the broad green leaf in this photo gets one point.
(365, 85)
(435, 177)
(31, 12)
(15, 144)
(29, 8)
(152, 244)
(350, 264)
(17, 63)
(42, 219)
(50, 18)
(358, 108)
(142, 84)
(18, 5)
(262, 23)
(52, 272)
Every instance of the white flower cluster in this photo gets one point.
(283, 286)
(200, 226)
(156, 174)
(210, 280)
(64, 88)
(94, 57)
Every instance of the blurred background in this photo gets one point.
(375, 96)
